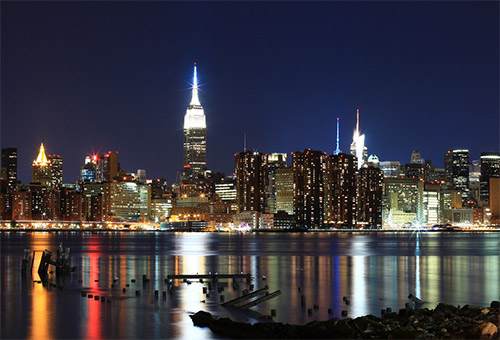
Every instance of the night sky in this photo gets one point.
(85, 77)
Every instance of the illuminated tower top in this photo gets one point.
(195, 115)
(337, 150)
(41, 160)
(358, 147)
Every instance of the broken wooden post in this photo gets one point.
(262, 299)
(246, 297)
(26, 260)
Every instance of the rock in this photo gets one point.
(343, 330)
(202, 319)
(488, 330)
(444, 310)
(485, 311)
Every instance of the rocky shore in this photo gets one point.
(443, 322)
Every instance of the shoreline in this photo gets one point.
(253, 232)
(443, 322)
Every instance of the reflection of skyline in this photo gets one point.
(370, 282)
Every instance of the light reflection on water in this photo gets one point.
(373, 270)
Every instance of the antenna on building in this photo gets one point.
(337, 151)
(357, 120)
(244, 142)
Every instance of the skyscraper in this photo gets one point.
(490, 168)
(456, 166)
(341, 191)
(250, 181)
(370, 184)
(195, 135)
(308, 197)
(358, 147)
(9, 167)
(41, 169)
(56, 171)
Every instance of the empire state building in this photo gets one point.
(195, 135)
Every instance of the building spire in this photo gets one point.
(41, 159)
(337, 151)
(357, 121)
(195, 100)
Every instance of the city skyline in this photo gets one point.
(250, 88)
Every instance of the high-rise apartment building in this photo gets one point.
(9, 167)
(341, 190)
(308, 199)
(490, 168)
(370, 186)
(251, 173)
(195, 135)
(456, 167)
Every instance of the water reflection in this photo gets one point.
(373, 271)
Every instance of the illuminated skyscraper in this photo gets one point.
(490, 168)
(308, 196)
(195, 135)
(456, 166)
(9, 167)
(358, 147)
(250, 181)
(370, 184)
(56, 170)
(341, 190)
(41, 169)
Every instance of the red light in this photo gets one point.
(187, 166)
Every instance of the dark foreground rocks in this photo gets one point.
(443, 322)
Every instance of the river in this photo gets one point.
(372, 270)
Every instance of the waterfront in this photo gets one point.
(374, 270)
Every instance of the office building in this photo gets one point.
(391, 168)
(490, 168)
(274, 162)
(195, 135)
(42, 172)
(126, 201)
(9, 167)
(456, 166)
(284, 190)
(402, 202)
(56, 171)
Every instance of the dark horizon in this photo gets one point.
(86, 77)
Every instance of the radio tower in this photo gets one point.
(337, 151)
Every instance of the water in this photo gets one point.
(374, 270)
